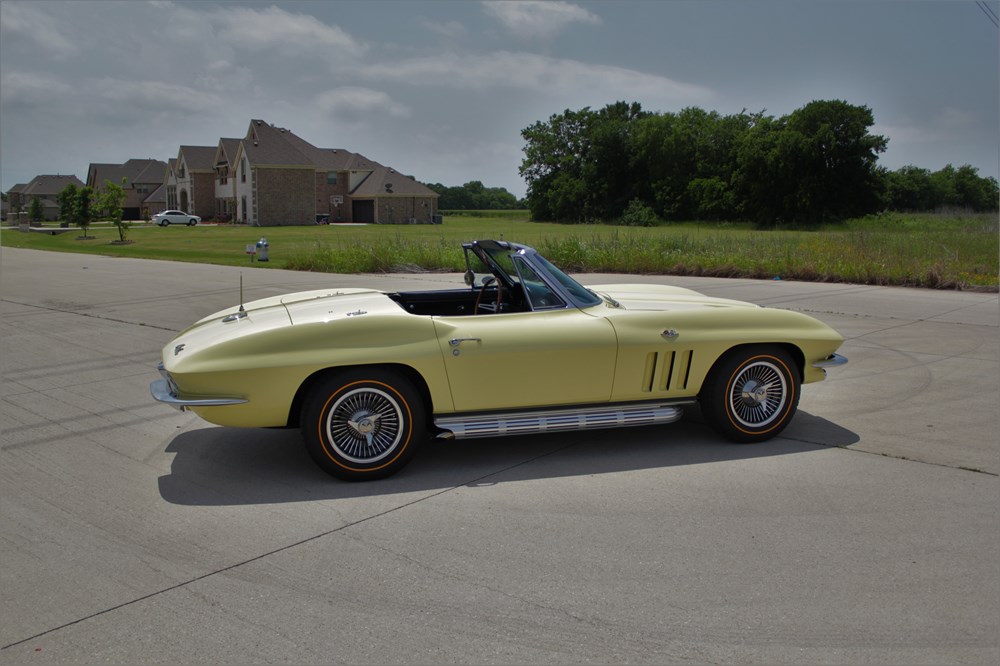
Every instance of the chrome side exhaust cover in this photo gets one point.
(557, 420)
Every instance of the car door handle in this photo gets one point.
(454, 342)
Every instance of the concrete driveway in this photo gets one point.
(867, 533)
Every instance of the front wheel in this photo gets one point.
(191, 223)
(363, 424)
(751, 394)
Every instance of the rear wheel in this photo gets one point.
(751, 394)
(363, 424)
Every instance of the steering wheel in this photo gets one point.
(486, 283)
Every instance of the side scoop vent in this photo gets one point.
(667, 371)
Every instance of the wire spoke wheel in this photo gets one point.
(758, 394)
(360, 424)
(364, 425)
(751, 393)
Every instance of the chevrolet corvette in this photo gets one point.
(521, 348)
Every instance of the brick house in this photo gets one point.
(46, 188)
(274, 177)
(195, 174)
(143, 177)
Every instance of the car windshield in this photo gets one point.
(583, 295)
(500, 256)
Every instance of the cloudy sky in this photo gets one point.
(442, 90)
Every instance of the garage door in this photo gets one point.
(363, 211)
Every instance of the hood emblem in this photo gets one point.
(178, 349)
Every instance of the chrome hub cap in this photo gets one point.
(758, 394)
(364, 425)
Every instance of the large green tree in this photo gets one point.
(555, 152)
(815, 165)
(685, 162)
(578, 165)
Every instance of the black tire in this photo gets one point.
(363, 424)
(751, 394)
(191, 223)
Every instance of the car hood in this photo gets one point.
(658, 297)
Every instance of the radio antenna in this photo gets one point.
(242, 309)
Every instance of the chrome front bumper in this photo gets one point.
(832, 362)
(164, 391)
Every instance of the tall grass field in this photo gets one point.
(936, 251)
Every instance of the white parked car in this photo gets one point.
(163, 218)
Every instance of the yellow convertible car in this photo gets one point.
(522, 348)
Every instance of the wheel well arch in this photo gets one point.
(793, 350)
(415, 378)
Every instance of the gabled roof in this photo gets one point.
(134, 171)
(151, 171)
(267, 145)
(47, 185)
(159, 195)
(198, 158)
(387, 182)
(225, 152)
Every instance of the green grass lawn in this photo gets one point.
(961, 251)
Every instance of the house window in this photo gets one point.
(181, 172)
(243, 171)
(331, 177)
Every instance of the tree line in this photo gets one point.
(473, 196)
(815, 165)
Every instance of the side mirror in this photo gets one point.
(470, 278)
(488, 280)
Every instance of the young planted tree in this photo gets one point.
(35, 212)
(111, 201)
(67, 199)
(82, 213)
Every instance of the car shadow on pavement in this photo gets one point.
(215, 466)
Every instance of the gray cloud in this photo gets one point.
(538, 19)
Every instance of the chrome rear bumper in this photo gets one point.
(164, 391)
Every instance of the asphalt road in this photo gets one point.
(867, 533)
